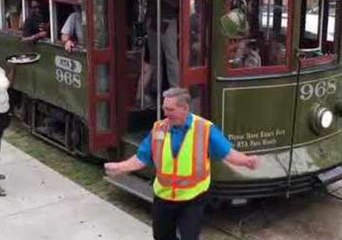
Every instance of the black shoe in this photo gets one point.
(2, 177)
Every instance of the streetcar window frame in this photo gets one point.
(56, 25)
(312, 57)
(22, 15)
(268, 69)
(55, 34)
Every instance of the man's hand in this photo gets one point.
(69, 45)
(34, 37)
(240, 159)
(43, 27)
(31, 38)
(252, 162)
(112, 169)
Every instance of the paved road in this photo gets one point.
(42, 204)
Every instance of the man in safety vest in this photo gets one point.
(180, 148)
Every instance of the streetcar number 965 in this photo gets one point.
(317, 89)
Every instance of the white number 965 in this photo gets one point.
(318, 89)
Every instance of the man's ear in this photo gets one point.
(186, 107)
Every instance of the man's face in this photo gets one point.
(175, 113)
(35, 7)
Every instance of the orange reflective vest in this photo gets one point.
(187, 175)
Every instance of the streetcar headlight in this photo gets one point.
(322, 118)
(326, 118)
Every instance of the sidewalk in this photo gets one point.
(42, 204)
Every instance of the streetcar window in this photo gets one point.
(36, 17)
(63, 11)
(317, 30)
(198, 34)
(102, 76)
(69, 19)
(103, 117)
(256, 32)
(12, 12)
(101, 24)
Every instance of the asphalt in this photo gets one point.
(42, 204)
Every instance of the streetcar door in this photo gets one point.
(101, 58)
(194, 54)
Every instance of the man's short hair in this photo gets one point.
(182, 95)
(36, 3)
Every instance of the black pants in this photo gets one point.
(186, 216)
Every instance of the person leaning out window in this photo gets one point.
(35, 26)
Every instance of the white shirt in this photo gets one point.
(4, 85)
(73, 27)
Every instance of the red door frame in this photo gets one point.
(191, 76)
(100, 140)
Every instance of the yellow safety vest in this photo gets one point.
(188, 174)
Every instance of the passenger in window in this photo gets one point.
(236, 28)
(36, 26)
(235, 23)
(277, 52)
(72, 32)
(251, 56)
(12, 16)
(169, 36)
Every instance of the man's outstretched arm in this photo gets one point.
(114, 169)
(237, 158)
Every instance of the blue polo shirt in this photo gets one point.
(219, 145)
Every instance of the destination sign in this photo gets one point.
(68, 64)
(68, 71)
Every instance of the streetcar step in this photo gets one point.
(331, 176)
(134, 185)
